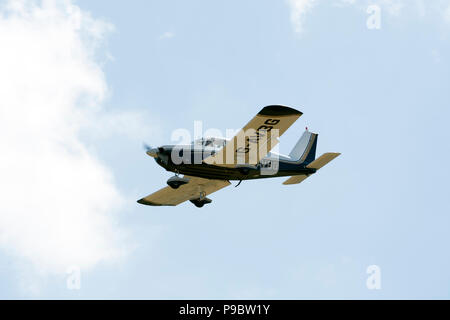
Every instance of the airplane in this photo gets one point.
(209, 164)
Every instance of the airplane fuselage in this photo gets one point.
(268, 167)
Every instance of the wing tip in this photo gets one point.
(334, 154)
(279, 110)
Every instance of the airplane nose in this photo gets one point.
(153, 152)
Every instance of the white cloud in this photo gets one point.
(134, 125)
(299, 8)
(167, 35)
(58, 200)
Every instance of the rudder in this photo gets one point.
(305, 149)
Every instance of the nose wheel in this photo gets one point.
(175, 182)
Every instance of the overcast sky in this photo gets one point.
(84, 83)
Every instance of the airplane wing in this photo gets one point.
(193, 190)
(257, 138)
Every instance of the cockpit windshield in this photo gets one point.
(210, 142)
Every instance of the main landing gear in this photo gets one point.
(200, 202)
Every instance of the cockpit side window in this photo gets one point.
(210, 142)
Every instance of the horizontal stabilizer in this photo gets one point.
(323, 160)
(296, 179)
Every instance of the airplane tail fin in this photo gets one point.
(304, 153)
(305, 149)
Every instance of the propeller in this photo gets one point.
(146, 147)
(152, 152)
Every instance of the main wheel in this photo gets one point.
(199, 204)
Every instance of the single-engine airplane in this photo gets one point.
(208, 164)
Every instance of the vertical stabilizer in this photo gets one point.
(305, 149)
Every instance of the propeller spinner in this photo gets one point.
(152, 152)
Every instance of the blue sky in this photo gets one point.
(380, 97)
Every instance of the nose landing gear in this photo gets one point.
(175, 182)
